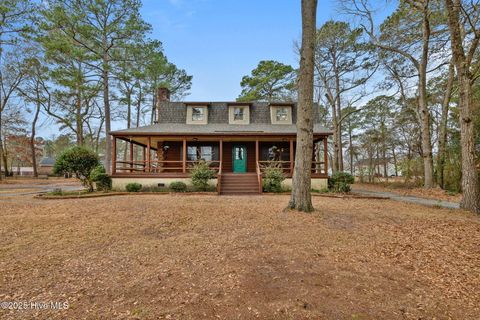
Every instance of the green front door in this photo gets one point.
(239, 154)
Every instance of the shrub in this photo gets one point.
(101, 178)
(154, 189)
(273, 178)
(201, 174)
(133, 187)
(178, 186)
(79, 161)
(340, 182)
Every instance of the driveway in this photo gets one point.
(409, 199)
(31, 186)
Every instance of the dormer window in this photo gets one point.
(197, 114)
(239, 114)
(281, 114)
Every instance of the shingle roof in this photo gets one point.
(47, 161)
(217, 129)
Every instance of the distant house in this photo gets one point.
(45, 166)
(238, 139)
(20, 171)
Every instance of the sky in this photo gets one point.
(220, 41)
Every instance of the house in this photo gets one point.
(237, 139)
(19, 171)
(45, 166)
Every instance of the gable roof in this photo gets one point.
(218, 129)
(47, 161)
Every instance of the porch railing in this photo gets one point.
(318, 167)
(156, 166)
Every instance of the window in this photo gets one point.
(195, 153)
(238, 114)
(282, 114)
(198, 114)
(206, 153)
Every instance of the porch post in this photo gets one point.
(184, 156)
(291, 157)
(149, 143)
(131, 156)
(144, 157)
(257, 155)
(114, 154)
(325, 154)
(221, 151)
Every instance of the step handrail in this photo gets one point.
(219, 178)
(259, 177)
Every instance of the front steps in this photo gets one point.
(239, 184)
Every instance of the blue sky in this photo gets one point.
(220, 41)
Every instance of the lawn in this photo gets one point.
(196, 256)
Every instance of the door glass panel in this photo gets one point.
(238, 153)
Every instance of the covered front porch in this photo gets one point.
(155, 156)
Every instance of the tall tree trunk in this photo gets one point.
(470, 175)
(129, 119)
(139, 106)
(423, 112)
(79, 118)
(1, 140)
(442, 139)
(394, 155)
(351, 150)
(154, 105)
(335, 161)
(3, 147)
(301, 198)
(32, 139)
(106, 106)
(338, 106)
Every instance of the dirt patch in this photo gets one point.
(196, 257)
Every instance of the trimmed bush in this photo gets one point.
(201, 174)
(340, 182)
(133, 187)
(79, 161)
(178, 186)
(273, 178)
(102, 180)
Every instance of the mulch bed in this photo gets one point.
(110, 194)
(44, 196)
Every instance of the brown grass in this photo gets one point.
(195, 257)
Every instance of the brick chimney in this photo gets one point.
(163, 96)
